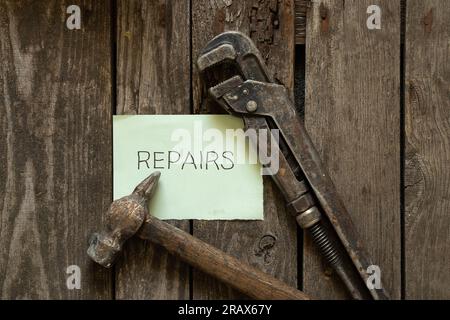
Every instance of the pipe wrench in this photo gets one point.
(249, 91)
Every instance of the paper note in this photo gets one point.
(205, 170)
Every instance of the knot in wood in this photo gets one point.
(265, 246)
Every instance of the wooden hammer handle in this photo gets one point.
(248, 280)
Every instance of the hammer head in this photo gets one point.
(124, 218)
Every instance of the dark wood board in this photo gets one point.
(270, 245)
(352, 112)
(55, 172)
(427, 162)
(153, 77)
(59, 88)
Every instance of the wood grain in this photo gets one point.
(55, 109)
(270, 245)
(153, 77)
(55, 177)
(427, 163)
(301, 7)
(352, 112)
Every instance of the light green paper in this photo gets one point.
(185, 194)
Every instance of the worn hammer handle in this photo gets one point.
(246, 279)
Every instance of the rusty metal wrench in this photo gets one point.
(251, 93)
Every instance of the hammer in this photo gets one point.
(129, 216)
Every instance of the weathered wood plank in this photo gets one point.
(153, 76)
(270, 245)
(55, 177)
(427, 163)
(301, 7)
(352, 112)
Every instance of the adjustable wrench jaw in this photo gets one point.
(252, 94)
(237, 49)
(251, 87)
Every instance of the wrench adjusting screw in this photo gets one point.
(310, 219)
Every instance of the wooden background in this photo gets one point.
(376, 103)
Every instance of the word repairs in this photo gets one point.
(207, 168)
(203, 161)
